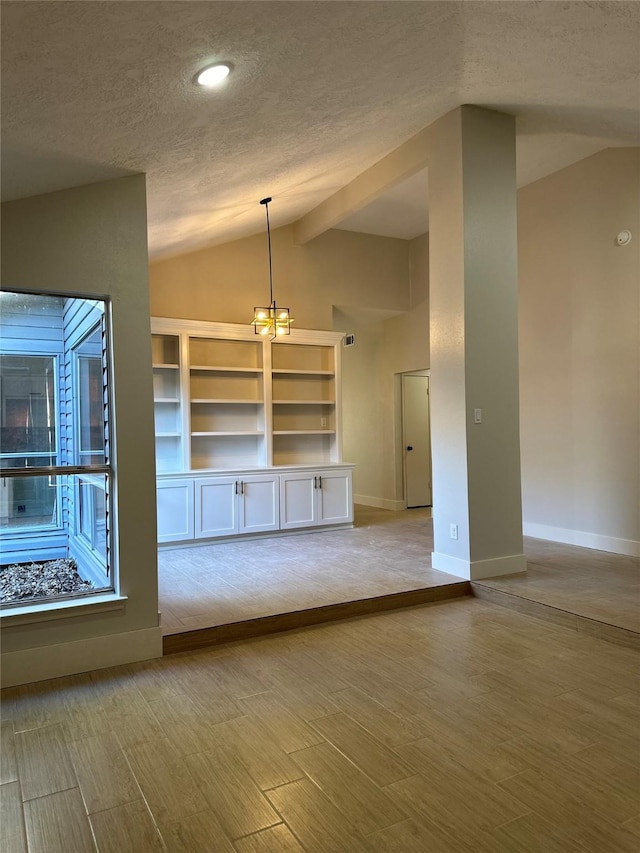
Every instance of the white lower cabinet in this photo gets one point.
(311, 499)
(175, 509)
(218, 505)
(335, 498)
(259, 505)
(225, 506)
(298, 500)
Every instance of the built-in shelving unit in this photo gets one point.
(304, 403)
(167, 398)
(230, 404)
(226, 391)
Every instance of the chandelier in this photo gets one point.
(271, 320)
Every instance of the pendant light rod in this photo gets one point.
(271, 321)
(266, 201)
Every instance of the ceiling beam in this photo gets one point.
(405, 161)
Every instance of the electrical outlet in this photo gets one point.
(453, 531)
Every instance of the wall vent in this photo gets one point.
(349, 340)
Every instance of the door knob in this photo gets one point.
(409, 447)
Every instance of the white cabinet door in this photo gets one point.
(258, 504)
(216, 506)
(175, 510)
(335, 503)
(297, 500)
(228, 505)
(319, 497)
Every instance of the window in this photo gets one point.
(91, 403)
(28, 438)
(92, 514)
(55, 471)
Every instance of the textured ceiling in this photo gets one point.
(319, 92)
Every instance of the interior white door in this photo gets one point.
(417, 439)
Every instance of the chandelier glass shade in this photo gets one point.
(271, 320)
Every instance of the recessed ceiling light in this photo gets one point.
(213, 75)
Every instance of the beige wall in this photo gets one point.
(385, 347)
(224, 283)
(372, 402)
(92, 241)
(419, 270)
(365, 410)
(579, 352)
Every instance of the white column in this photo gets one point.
(474, 345)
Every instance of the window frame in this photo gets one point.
(77, 358)
(79, 472)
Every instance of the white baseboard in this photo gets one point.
(380, 503)
(628, 547)
(42, 662)
(479, 569)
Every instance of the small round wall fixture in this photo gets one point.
(623, 238)
(213, 75)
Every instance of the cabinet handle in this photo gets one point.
(319, 482)
(315, 482)
(242, 487)
(237, 488)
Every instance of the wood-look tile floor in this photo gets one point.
(452, 727)
(386, 552)
(593, 584)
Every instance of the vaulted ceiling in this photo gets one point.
(319, 92)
